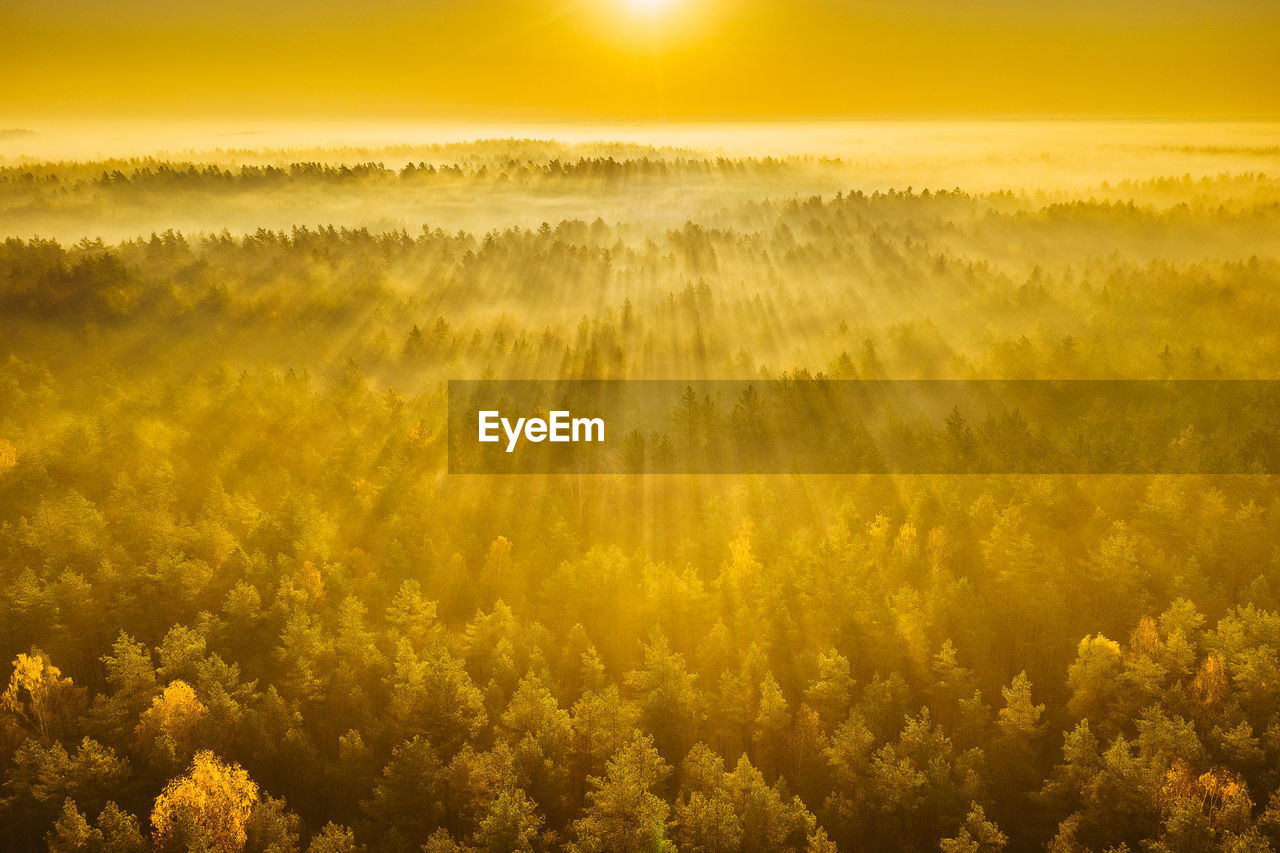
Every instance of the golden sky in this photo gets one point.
(628, 60)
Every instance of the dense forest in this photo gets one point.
(244, 607)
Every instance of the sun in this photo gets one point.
(648, 6)
(651, 26)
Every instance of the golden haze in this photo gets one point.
(623, 60)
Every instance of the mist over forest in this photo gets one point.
(246, 608)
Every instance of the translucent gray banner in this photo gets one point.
(864, 426)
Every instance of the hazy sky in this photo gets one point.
(627, 60)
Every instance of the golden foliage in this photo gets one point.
(1210, 684)
(1221, 795)
(176, 713)
(206, 809)
(38, 698)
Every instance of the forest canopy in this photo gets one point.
(244, 607)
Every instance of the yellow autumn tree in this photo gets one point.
(172, 722)
(206, 809)
(39, 701)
